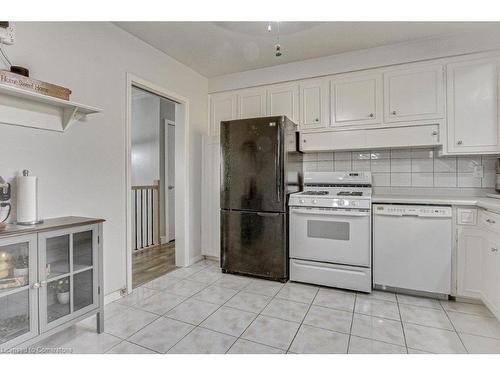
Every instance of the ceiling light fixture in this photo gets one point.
(277, 46)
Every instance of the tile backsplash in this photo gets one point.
(409, 167)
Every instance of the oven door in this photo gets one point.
(330, 235)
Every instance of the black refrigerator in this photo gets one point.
(260, 167)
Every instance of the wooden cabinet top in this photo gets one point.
(48, 225)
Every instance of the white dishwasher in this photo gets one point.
(412, 246)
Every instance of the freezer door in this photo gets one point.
(254, 243)
(252, 175)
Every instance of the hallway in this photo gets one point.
(152, 263)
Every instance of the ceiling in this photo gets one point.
(217, 48)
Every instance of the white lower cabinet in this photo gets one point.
(478, 261)
(49, 280)
(491, 272)
(469, 262)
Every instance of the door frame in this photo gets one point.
(166, 124)
(182, 182)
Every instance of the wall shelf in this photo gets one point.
(24, 108)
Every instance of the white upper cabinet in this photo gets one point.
(222, 108)
(283, 100)
(472, 106)
(414, 94)
(356, 100)
(252, 103)
(314, 104)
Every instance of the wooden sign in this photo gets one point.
(30, 84)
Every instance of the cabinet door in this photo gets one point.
(283, 100)
(356, 100)
(414, 94)
(472, 100)
(18, 290)
(491, 273)
(252, 103)
(469, 262)
(68, 273)
(314, 104)
(222, 108)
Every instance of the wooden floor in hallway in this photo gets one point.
(152, 263)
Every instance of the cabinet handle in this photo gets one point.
(459, 142)
(35, 286)
(435, 132)
(316, 119)
(494, 250)
(304, 141)
(393, 112)
(371, 115)
(490, 221)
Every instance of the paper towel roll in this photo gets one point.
(27, 196)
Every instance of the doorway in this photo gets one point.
(153, 178)
(156, 160)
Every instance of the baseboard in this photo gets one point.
(211, 257)
(196, 259)
(492, 307)
(111, 297)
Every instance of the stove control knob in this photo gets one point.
(315, 201)
(302, 201)
(342, 202)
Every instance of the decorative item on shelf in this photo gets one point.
(20, 70)
(4, 266)
(29, 84)
(20, 266)
(62, 291)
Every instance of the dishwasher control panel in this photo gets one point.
(420, 211)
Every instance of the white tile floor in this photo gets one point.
(200, 310)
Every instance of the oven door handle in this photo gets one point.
(330, 212)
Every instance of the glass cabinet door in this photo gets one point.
(18, 289)
(70, 277)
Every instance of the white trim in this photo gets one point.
(182, 204)
(166, 124)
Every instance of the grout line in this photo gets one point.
(455, 329)
(302, 321)
(352, 322)
(402, 325)
(256, 316)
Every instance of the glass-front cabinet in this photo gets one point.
(18, 289)
(68, 275)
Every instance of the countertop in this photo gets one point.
(48, 225)
(492, 204)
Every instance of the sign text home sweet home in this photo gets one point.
(16, 80)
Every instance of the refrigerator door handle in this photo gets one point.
(268, 214)
(278, 168)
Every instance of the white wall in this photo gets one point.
(82, 171)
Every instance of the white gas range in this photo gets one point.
(330, 230)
